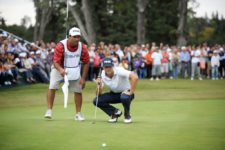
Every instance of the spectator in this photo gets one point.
(222, 63)
(215, 63)
(28, 67)
(149, 63)
(175, 62)
(156, 64)
(37, 69)
(165, 63)
(91, 52)
(185, 58)
(195, 63)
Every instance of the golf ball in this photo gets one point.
(103, 144)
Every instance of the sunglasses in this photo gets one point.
(76, 36)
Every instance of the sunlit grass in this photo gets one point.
(169, 114)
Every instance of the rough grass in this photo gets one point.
(169, 114)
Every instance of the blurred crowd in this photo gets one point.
(32, 61)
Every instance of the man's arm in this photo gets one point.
(85, 70)
(85, 60)
(100, 86)
(60, 69)
(133, 81)
(58, 58)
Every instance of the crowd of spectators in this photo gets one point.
(32, 61)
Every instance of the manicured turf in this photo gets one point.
(169, 115)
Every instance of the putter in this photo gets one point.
(93, 122)
(98, 87)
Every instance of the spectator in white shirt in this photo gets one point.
(156, 64)
(195, 63)
(215, 63)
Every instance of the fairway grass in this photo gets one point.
(167, 115)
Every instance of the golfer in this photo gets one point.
(122, 84)
(67, 57)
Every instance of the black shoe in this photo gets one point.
(127, 119)
(115, 116)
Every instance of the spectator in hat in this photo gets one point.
(185, 58)
(37, 69)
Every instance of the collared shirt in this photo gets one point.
(185, 56)
(195, 56)
(120, 80)
(156, 58)
(59, 53)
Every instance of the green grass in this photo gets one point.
(169, 115)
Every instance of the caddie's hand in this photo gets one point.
(82, 83)
(62, 72)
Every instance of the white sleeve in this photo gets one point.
(122, 72)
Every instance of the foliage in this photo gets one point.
(19, 30)
(170, 114)
(162, 21)
(206, 30)
(115, 21)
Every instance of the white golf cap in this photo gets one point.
(22, 54)
(32, 53)
(3, 34)
(183, 48)
(74, 31)
(38, 52)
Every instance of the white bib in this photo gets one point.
(72, 61)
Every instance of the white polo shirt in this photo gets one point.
(195, 56)
(120, 80)
(157, 57)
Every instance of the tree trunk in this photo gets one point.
(36, 25)
(88, 21)
(80, 24)
(141, 5)
(43, 16)
(182, 24)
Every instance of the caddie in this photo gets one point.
(68, 55)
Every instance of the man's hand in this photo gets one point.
(62, 72)
(100, 85)
(99, 81)
(82, 83)
(127, 92)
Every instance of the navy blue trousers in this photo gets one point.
(106, 99)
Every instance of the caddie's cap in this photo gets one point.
(3, 34)
(74, 31)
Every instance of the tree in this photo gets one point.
(79, 22)
(25, 21)
(115, 21)
(141, 5)
(161, 21)
(44, 10)
(86, 9)
(182, 24)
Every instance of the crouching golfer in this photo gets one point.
(122, 84)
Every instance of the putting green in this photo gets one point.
(170, 115)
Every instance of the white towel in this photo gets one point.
(65, 90)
